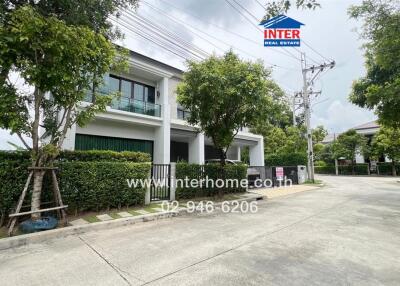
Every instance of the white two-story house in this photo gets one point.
(148, 118)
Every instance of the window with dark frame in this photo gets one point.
(132, 89)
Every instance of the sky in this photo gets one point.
(328, 30)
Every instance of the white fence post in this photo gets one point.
(172, 186)
(147, 195)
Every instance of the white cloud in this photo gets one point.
(341, 116)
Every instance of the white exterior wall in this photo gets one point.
(196, 149)
(162, 141)
(173, 83)
(257, 153)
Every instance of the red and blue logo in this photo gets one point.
(281, 31)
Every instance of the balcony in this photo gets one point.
(133, 105)
(182, 114)
(136, 106)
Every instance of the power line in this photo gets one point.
(308, 45)
(258, 28)
(171, 42)
(245, 9)
(315, 51)
(207, 34)
(261, 5)
(243, 15)
(175, 37)
(149, 38)
(183, 23)
(228, 31)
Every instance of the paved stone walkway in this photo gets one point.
(283, 191)
(104, 217)
(80, 221)
(124, 214)
(142, 212)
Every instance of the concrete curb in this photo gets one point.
(39, 237)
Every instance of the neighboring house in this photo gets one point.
(148, 118)
(368, 129)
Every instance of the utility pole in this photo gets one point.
(307, 108)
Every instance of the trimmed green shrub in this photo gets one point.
(101, 185)
(327, 169)
(212, 172)
(80, 155)
(85, 186)
(386, 169)
(104, 155)
(286, 159)
(359, 169)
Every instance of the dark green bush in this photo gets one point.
(286, 159)
(84, 185)
(80, 155)
(104, 155)
(386, 169)
(327, 169)
(213, 172)
(359, 169)
(101, 185)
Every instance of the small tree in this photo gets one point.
(348, 144)
(387, 142)
(224, 94)
(60, 64)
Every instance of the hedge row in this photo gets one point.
(359, 169)
(211, 171)
(91, 184)
(386, 169)
(91, 155)
(286, 159)
(327, 169)
(101, 185)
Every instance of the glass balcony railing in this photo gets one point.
(132, 105)
(182, 114)
(136, 106)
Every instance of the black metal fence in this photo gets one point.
(160, 183)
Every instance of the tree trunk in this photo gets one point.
(394, 168)
(36, 193)
(222, 156)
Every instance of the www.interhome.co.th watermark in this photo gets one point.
(208, 183)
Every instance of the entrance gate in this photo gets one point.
(160, 182)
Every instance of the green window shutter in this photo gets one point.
(93, 142)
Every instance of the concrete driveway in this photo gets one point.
(347, 233)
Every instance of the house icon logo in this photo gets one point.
(281, 31)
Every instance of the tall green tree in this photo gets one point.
(224, 94)
(379, 89)
(348, 144)
(59, 63)
(277, 7)
(387, 142)
(89, 13)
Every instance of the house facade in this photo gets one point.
(148, 118)
(368, 129)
